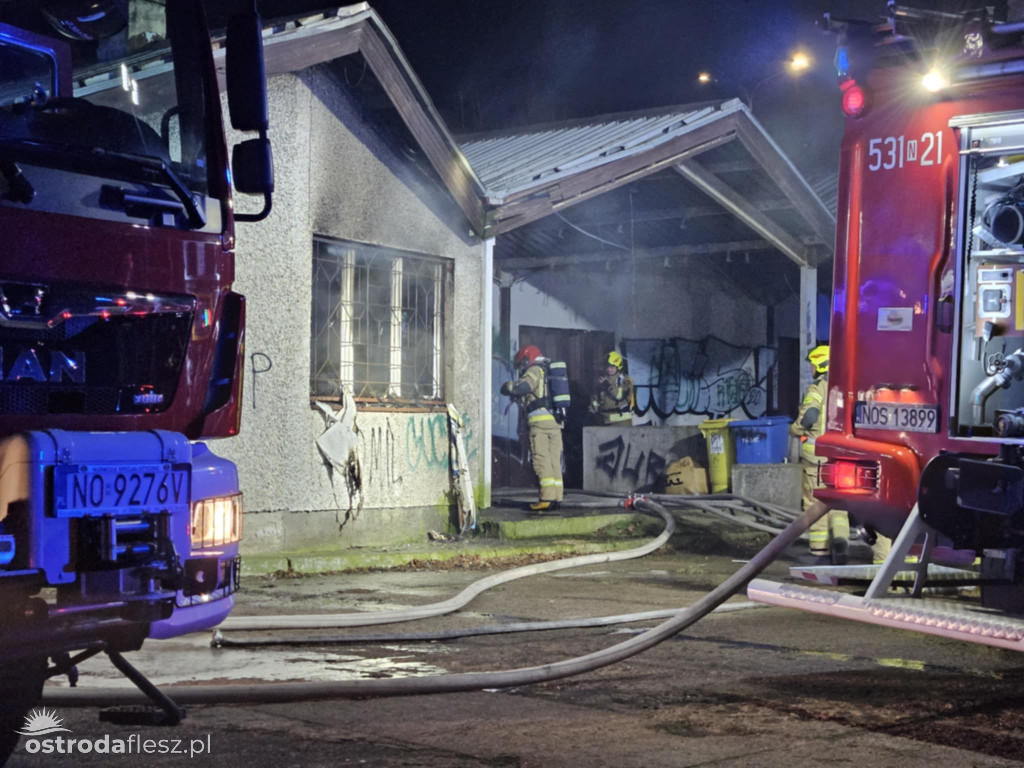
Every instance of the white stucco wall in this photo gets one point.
(647, 303)
(337, 177)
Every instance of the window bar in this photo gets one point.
(346, 362)
(435, 352)
(395, 386)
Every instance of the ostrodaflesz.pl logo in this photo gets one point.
(43, 734)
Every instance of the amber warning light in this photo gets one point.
(855, 99)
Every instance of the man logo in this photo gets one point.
(39, 722)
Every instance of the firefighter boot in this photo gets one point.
(818, 536)
(541, 506)
(839, 530)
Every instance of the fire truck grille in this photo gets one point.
(93, 366)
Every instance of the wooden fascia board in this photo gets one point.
(576, 189)
(787, 178)
(290, 55)
(733, 202)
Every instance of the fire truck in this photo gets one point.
(925, 404)
(121, 341)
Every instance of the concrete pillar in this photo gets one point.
(808, 321)
(487, 332)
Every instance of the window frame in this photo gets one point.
(351, 251)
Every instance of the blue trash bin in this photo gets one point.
(761, 441)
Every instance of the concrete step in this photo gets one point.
(515, 525)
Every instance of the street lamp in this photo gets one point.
(798, 63)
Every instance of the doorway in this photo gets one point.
(584, 353)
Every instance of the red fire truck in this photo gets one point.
(925, 406)
(121, 341)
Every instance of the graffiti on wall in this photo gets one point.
(638, 468)
(398, 445)
(427, 441)
(379, 448)
(505, 421)
(708, 377)
(510, 453)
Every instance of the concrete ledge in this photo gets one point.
(779, 484)
(269, 533)
(554, 525)
(355, 559)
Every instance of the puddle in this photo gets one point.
(190, 659)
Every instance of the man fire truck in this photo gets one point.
(121, 341)
(924, 432)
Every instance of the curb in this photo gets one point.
(554, 526)
(353, 560)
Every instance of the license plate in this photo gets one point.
(118, 489)
(901, 417)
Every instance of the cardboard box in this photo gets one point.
(686, 477)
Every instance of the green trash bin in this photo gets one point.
(721, 452)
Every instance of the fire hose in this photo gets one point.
(364, 619)
(469, 681)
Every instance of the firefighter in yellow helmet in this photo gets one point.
(613, 398)
(830, 535)
(531, 392)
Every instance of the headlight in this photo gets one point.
(216, 521)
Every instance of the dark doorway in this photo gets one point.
(584, 353)
(789, 376)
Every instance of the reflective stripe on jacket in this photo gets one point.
(534, 402)
(813, 398)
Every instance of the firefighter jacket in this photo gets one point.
(531, 392)
(613, 400)
(810, 419)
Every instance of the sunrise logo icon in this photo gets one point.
(39, 722)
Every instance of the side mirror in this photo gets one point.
(245, 73)
(252, 167)
(252, 161)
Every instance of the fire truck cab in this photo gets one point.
(121, 341)
(924, 437)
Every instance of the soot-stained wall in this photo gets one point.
(339, 175)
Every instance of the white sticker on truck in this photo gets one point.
(896, 319)
(890, 152)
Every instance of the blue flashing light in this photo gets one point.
(842, 61)
(6, 549)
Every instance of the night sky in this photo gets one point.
(495, 64)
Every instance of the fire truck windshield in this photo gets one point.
(137, 109)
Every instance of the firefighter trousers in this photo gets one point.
(546, 450)
(829, 527)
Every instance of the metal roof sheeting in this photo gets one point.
(514, 163)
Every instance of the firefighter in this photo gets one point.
(531, 392)
(613, 397)
(830, 535)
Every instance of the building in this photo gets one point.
(411, 266)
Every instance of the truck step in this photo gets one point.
(934, 617)
(836, 575)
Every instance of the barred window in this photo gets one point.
(377, 322)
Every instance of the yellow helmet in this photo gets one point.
(818, 357)
(614, 358)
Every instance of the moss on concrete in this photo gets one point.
(319, 561)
